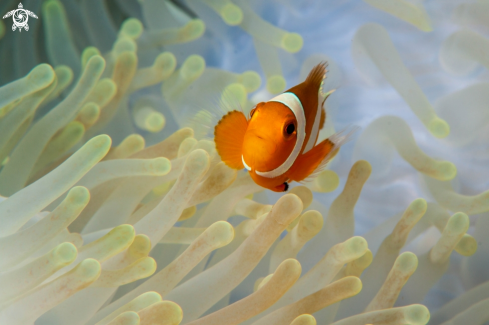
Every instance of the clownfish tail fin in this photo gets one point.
(307, 163)
(342, 137)
(338, 139)
(310, 164)
(229, 136)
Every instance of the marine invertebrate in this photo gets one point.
(413, 13)
(373, 42)
(463, 51)
(114, 212)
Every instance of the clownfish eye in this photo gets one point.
(289, 130)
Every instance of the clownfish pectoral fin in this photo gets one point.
(229, 135)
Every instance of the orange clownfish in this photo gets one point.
(277, 143)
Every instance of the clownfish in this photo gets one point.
(277, 143)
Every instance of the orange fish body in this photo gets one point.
(277, 144)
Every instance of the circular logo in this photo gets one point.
(20, 18)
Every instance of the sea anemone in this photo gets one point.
(115, 207)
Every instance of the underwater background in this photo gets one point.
(115, 207)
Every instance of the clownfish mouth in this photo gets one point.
(244, 163)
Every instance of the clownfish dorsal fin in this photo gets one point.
(323, 119)
(316, 76)
(229, 135)
(308, 94)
